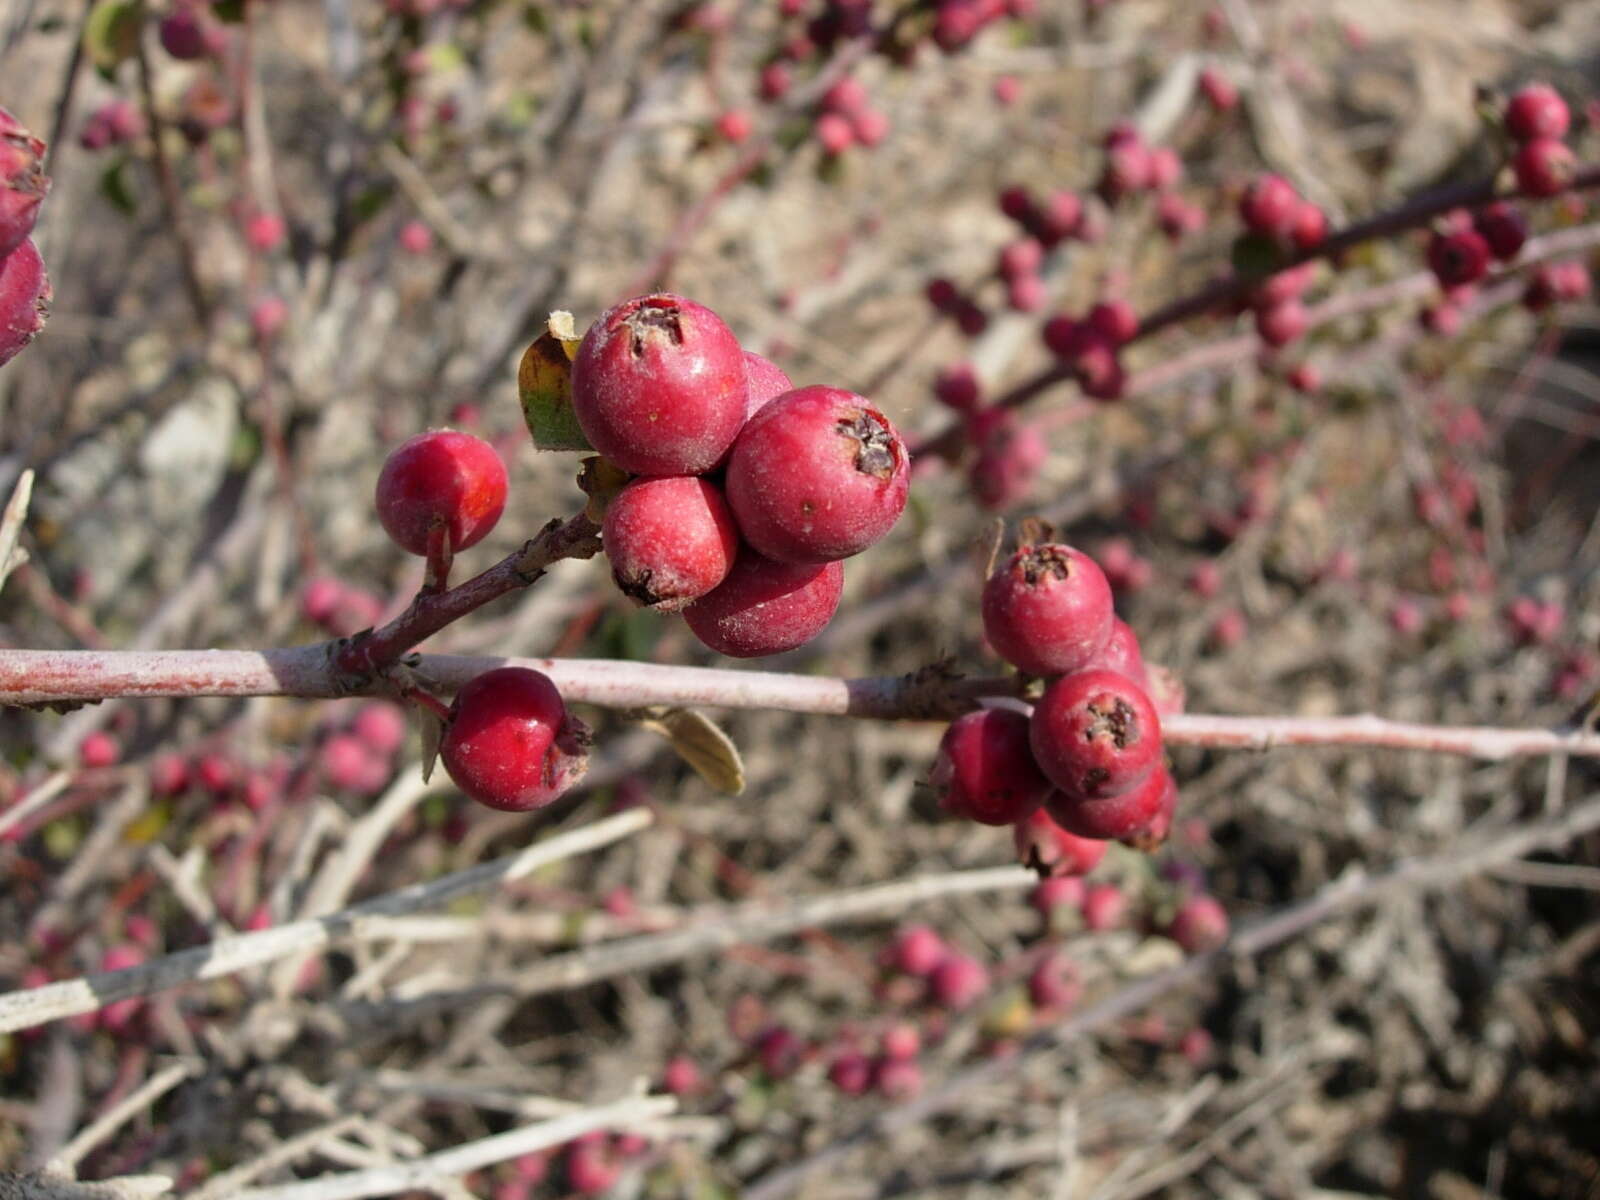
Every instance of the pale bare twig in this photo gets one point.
(67, 1158)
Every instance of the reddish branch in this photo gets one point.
(37, 677)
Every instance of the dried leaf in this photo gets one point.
(431, 726)
(700, 742)
(544, 384)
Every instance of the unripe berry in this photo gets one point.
(1459, 257)
(1504, 228)
(1047, 610)
(917, 950)
(659, 387)
(1044, 846)
(1200, 924)
(509, 742)
(441, 480)
(1104, 907)
(765, 607)
(1095, 734)
(99, 749)
(817, 475)
(1537, 111)
(1543, 167)
(24, 298)
(23, 183)
(766, 381)
(985, 769)
(670, 540)
(958, 982)
(1269, 206)
(1124, 817)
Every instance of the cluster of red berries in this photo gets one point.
(1090, 756)
(24, 286)
(1008, 450)
(749, 492)
(1537, 119)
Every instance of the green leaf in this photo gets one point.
(111, 34)
(544, 384)
(114, 186)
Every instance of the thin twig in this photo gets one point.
(67, 1158)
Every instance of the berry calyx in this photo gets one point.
(766, 607)
(1096, 735)
(441, 480)
(985, 768)
(659, 386)
(1048, 609)
(509, 742)
(669, 540)
(819, 474)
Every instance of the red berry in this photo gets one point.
(917, 950)
(1305, 379)
(99, 749)
(1543, 167)
(1010, 454)
(1537, 111)
(1557, 282)
(775, 81)
(780, 1051)
(1503, 228)
(1269, 206)
(1058, 892)
(1121, 652)
(1282, 323)
(23, 183)
(1178, 217)
(1104, 906)
(592, 1167)
(670, 540)
(349, 765)
(380, 727)
(216, 773)
(1026, 293)
(1005, 90)
(1166, 168)
(1152, 835)
(985, 768)
(1048, 609)
(1458, 258)
(182, 35)
(1022, 257)
(1218, 90)
(958, 982)
(834, 133)
(1310, 227)
(265, 231)
(1228, 629)
(1016, 203)
(765, 607)
(847, 95)
(1053, 983)
(659, 386)
(970, 318)
(1059, 218)
(1114, 321)
(942, 294)
(1121, 817)
(267, 317)
(416, 237)
(766, 381)
(902, 1041)
(441, 479)
(1096, 735)
(817, 475)
(681, 1076)
(24, 297)
(851, 1073)
(735, 125)
(119, 1016)
(1044, 846)
(957, 386)
(1127, 170)
(509, 742)
(1200, 924)
(869, 126)
(898, 1078)
(169, 774)
(1099, 370)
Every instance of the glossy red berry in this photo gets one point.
(1123, 817)
(670, 540)
(24, 299)
(23, 183)
(1047, 610)
(1269, 206)
(1459, 257)
(765, 607)
(659, 386)
(509, 742)
(1045, 847)
(1537, 111)
(985, 769)
(441, 480)
(1095, 733)
(1544, 167)
(766, 381)
(817, 475)
(1200, 924)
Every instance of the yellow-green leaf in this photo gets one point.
(111, 34)
(544, 384)
(701, 743)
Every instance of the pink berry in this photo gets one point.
(902, 1041)
(441, 480)
(1218, 90)
(765, 607)
(267, 316)
(99, 749)
(917, 950)
(958, 982)
(834, 133)
(350, 766)
(847, 95)
(1205, 579)
(1005, 90)
(1127, 170)
(1053, 984)
(321, 599)
(169, 774)
(1458, 258)
(1310, 227)
(217, 774)
(1269, 206)
(1128, 816)
(1058, 218)
(1058, 892)
(1166, 168)
(381, 727)
(870, 126)
(659, 386)
(898, 1078)
(265, 231)
(851, 1073)
(1228, 630)
(1200, 924)
(509, 743)
(1104, 907)
(1022, 257)
(670, 540)
(985, 769)
(776, 80)
(1282, 323)
(1026, 293)
(735, 126)
(1196, 1047)
(681, 1076)
(592, 1167)
(1543, 167)
(1100, 372)
(1044, 846)
(1096, 734)
(416, 237)
(766, 381)
(1178, 217)
(1305, 379)
(23, 183)
(1047, 610)
(818, 475)
(1537, 111)
(119, 1016)
(24, 295)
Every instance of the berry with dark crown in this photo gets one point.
(1095, 734)
(1047, 610)
(509, 742)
